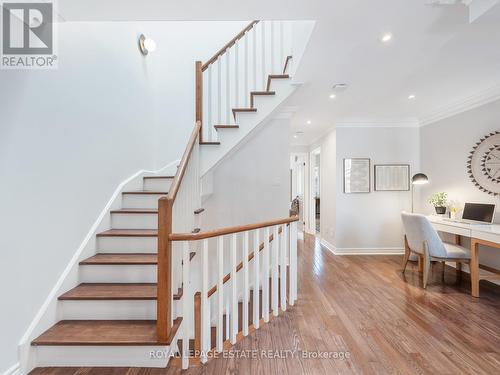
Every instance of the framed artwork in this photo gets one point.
(392, 177)
(356, 175)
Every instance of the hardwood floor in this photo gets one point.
(363, 305)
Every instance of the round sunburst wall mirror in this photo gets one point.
(483, 165)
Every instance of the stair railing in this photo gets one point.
(242, 66)
(279, 262)
(176, 214)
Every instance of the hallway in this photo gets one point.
(368, 318)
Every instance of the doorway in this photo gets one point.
(298, 184)
(315, 212)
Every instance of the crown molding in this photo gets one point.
(405, 123)
(466, 104)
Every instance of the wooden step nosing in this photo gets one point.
(145, 192)
(123, 233)
(157, 177)
(125, 211)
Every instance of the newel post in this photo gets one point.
(164, 289)
(199, 96)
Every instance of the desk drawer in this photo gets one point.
(452, 229)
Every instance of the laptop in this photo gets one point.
(476, 213)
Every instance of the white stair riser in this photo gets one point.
(117, 273)
(134, 221)
(112, 310)
(140, 200)
(103, 356)
(157, 184)
(127, 245)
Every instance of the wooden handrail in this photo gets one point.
(164, 268)
(228, 45)
(176, 182)
(229, 230)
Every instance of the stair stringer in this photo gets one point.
(267, 106)
(51, 310)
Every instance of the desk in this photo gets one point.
(480, 234)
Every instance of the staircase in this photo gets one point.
(156, 286)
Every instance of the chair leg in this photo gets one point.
(427, 266)
(459, 271)
(442, 271)
(406, 257)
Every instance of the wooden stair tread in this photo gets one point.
(145, 192)
(114, 291)
(121, 259)
(275, 76)
(156, 177)
(135, 211)
(129, 233)
(244, 109)
(259, 93)
(263, 93)
(217, 127)
(104, 332)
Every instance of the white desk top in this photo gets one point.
(488, 232)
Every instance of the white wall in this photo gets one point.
(256, 179)
(68, 137)
(328, 187)
(445, 147)
(364, 223)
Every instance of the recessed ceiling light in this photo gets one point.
(333, 96)
(309, 122)
(411, 97)
(295, 136)
(386, 37)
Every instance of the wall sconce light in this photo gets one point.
(146, 45)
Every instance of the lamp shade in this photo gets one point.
(419, 179)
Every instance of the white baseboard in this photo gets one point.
(14, 370)
(363, 250)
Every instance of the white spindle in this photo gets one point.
(263, 55)
(220, 295)
(293, 263)
(254, 58)
(245, 71)
(209, 103)
(219, 92)
(265, 277)
(234, 290)
(283, 246)
(185, 305)
(282, 46)
(228, 89)
(236, 76)
(205, 308)
(256, 285)
(245, 284)
(272, 48)
(275, 257)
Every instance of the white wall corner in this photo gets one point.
(14, 370)
(475, 100)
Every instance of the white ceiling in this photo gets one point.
(435, 53)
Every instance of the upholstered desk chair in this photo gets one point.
(423, 240)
